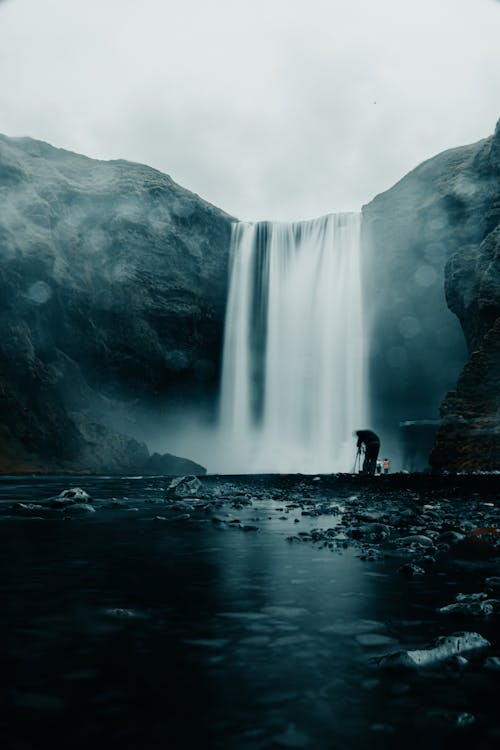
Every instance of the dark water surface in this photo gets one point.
(190, 632)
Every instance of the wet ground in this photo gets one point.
(250, 612)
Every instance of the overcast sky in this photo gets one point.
(271, 109)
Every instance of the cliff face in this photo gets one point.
(431, 291)
(112, 292)
(469, 437)
(113, 284)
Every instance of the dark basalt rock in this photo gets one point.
(431, 246)
(112, 295)
(469, 437)
(166, 464)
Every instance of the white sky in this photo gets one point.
(270, 109)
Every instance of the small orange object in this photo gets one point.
(485, 531)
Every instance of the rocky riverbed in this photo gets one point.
(250, 612)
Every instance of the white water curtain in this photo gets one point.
(293, 382)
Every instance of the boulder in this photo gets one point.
(184, 486)
(73, 496)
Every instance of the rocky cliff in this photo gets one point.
(113, 283)
(112, 292)
(432, 298)
(469, 436)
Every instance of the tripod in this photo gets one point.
(358, 461)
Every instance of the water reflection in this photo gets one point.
(150, 634)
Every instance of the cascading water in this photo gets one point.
(293, 386)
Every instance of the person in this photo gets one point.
(379, 466)
(371, 441)
(386, 465)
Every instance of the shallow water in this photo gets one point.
(195, 633)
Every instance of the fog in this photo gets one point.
(270, 109)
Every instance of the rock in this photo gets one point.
(492, 663)
(186, 486)
(370, 531)
(468, 598)
(410, 570)
(407, 516)
(427, 560)
(371, 554)
(468, 608)
(451, 537)
(113, 282)
(70, 497)
(107, 448)
(464, 719)
(167, 464)
(415, 540)
(431, 251)
(76, 494)
(456, 719)
(121, 613)
(444, 648)
(459, 661)
(493, 583)
(121, 316)
(27, 507)
(468, 439)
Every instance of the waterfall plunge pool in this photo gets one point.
(197, 623)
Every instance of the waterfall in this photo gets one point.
(293, 384)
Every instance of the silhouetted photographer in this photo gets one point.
(370, 442)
